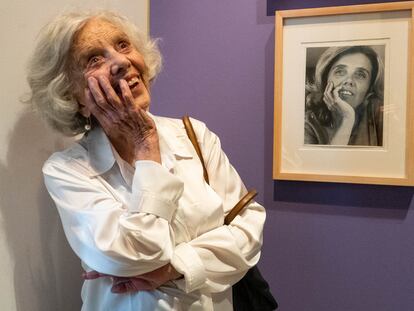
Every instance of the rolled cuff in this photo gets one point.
(186, 261)
(155, 190)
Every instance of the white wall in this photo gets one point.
(37, 268)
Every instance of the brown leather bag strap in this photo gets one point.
(239, 206)
(193, 138)
(244, 200)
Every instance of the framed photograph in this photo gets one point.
(344, 94)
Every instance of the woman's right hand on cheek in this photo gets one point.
(129, 128)
(343, 113)
(335, 103)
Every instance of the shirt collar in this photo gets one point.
(172, 136)
(100, 155)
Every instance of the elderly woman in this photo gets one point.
(344, 104)
(130, 193)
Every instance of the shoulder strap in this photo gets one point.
(239, 206)
(244, 200)
(193, 138)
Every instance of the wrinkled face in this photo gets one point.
(352, 72)
(102, 49)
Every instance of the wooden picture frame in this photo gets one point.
(308, 149)
(277, 5)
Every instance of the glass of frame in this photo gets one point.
(344, 94)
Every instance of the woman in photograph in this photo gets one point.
(344, 103)
(130, 193)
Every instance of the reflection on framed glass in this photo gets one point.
(344, 94)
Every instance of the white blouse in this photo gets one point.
(127, 221)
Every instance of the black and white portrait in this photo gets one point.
(344, 95)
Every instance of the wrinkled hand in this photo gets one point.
(129, 128)
(148, 281)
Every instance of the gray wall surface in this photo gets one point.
(39, 272)
(327, 246)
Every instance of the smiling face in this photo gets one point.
(352, 73)
(102, 49)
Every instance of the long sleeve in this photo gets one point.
(219, 258)
(314, 132)
(111, 236)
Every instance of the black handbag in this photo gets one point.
(252, 292)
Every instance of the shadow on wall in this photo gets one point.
(348, 199)
(46, 272)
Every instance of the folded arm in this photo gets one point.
(220, 257)
(109, 236)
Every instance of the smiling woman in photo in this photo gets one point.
(344, 102)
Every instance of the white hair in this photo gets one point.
(49, 74)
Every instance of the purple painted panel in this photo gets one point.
(273, 5)
(327, 247)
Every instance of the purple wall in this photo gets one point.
(328, 247)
